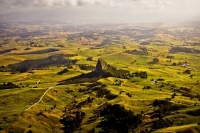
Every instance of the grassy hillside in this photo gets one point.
(46, 100)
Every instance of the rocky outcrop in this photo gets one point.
(101, 66)
(102, 70)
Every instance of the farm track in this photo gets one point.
(39, 100)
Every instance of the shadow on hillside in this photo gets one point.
(89, 77)
(184, 49)
(27, 65)
(44, 51)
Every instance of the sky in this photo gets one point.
(108, 10)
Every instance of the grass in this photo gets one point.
(43, 118)
(187, 128)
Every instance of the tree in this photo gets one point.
(155, 60)
(187, 71)
(89, 58)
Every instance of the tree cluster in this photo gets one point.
(137, 52)
(140, 74)
(8, 85)
(71, 123)
(118, 119)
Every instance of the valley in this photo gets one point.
(117, 78)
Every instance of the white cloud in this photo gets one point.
(152, 4)
(116, 8)
(50, 3)
(144, 4)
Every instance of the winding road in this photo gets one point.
(51, 88)
(36, 83)
(39, 100)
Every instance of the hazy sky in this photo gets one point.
(122, 10)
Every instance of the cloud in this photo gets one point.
(133, 5)
(58, 3)
(92, 3)
(152, 4)
(51, 3)
(148, 4)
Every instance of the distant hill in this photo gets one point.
(41, 17)
(28, 65)
(16, 16)
(34, 17)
